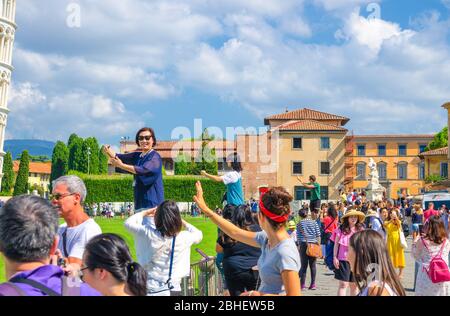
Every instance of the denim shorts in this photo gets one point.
(415, 228)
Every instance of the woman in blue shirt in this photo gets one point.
(146, 166)
(233, 181)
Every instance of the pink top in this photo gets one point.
(427, 214)
(344, 241)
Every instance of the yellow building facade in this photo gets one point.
(39, 174)
(400, 169)
(436, 162)
(311, 159)
(309, 143)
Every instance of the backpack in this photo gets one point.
(438, 268)
(325, 237)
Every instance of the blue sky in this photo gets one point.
(231, 63)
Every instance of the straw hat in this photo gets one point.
(360, 215)
(291, 224)
(372, 213)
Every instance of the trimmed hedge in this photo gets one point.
(118, 188)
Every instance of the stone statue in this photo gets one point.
(373, 170)
(374, 189)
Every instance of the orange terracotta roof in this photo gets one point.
(396, 136)
(35, 167)
(306, 114)
(309, 125)
(437, 152)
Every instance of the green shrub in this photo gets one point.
(118, 188)
(434, 178)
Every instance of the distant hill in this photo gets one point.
(35, 147)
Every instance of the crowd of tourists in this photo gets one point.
(262, 249)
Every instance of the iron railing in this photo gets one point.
(204, 279)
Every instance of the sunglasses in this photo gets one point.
(58, 196)
(145, 137)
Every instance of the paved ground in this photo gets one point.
(327, 285)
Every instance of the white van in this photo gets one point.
(439, 198)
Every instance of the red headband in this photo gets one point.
(272, 216)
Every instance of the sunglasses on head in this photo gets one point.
(145, 137)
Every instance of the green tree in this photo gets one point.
(182, 165)
(60, 161)
(21, 186)
(38, 188)
(102, 163)
(195, 167)
(433, 178)
(8, 174)
(440, 140)
(89, 162)
(209, 161)
(75, 145)
(71, 139)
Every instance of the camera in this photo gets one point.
(61, 262)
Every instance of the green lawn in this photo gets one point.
(116, 226)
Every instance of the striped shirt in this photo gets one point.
(310, 228)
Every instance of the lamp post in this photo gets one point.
(89, 156)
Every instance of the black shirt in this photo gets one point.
(239, 257)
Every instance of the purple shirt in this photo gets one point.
(51, 277)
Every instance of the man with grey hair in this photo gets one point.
(28, 242)
(68, 196)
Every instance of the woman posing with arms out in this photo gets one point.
(371, 265)
(239, 259)
(279, 263)
(162, 245)
(393, 230)
(233, 180)
(352, 222)
(146, 166)
(434, 244)
(109, 268)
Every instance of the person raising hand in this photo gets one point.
(279, 263)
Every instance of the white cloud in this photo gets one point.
(379, 64)
(56, 117)
(119, 80)
(296, 26)
(372, 32)
(253, 53)
(24, 95)
(332, 5)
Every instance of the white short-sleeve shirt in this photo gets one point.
(231, 177)
(77, 237)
